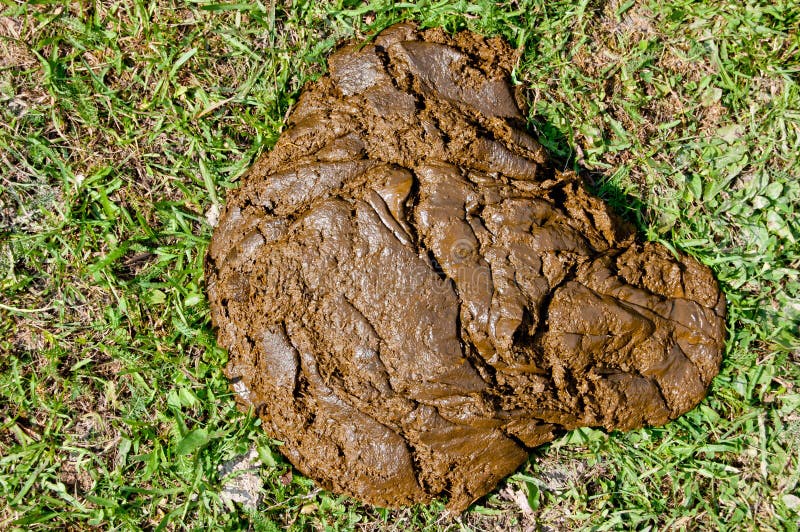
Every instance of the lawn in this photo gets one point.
(124, 123)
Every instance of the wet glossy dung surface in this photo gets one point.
(412, 298)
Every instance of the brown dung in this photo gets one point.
(413, 298)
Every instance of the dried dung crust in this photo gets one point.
(412, 298)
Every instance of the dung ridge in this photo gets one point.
(413, 298)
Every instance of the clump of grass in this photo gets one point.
(125, 123)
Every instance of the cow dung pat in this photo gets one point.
(413, 298)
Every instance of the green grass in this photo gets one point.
(124, 123)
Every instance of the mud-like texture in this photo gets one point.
(413, 299)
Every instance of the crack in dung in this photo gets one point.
(416, 466)
(543, 326)
(661, 394)
(380, 343)
(516, 439)
(410, 207)
(484, 369)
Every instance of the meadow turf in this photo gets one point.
(124, 123)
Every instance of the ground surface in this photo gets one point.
(124, 123)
